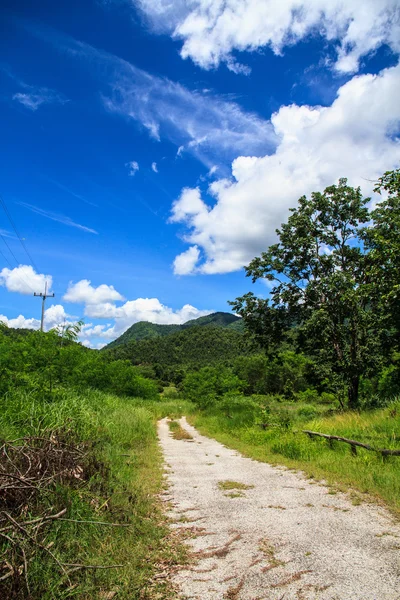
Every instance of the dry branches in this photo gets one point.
(30, 469)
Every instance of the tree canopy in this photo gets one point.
(334, 264)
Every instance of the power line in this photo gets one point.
(8, 262)
(4, 206)
(6, 259)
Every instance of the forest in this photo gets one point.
(80, 467)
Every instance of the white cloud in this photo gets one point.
(212, 29)
(354, 138)
(133, 167)
(33, 97)
(154, 167)
(24, 280)
(206, 125)
(201, 124)
(189, 204)
(37, 97)
(133, 311)
(185, 263)
(20, 322)
(53, 316)
(56, 217)
(84, 292)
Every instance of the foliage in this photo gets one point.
(206, 386)
(41, 361)
(382, 239)
(145, 330)
(325, 278)
(173, 355)
(120, 439)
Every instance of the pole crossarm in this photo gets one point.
(44, 297)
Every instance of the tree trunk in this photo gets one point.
(353, 391)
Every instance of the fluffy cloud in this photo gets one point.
(185, 263)
(212, 29)
(101, 303)
(24, 280)
(83, 292)
(354, 138)
(133, 167)
(20, 322)
(53, 316)
(133, 311)
(154, 167)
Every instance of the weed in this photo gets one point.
(233, 485)
(269, 553)
(178, 433)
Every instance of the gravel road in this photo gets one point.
(280, 537)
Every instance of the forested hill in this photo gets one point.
(145, 330)
(192, 347)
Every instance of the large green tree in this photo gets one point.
(382, 241)
(322, 280)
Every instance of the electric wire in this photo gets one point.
(17, 262)
(6, 259)
(4, 206)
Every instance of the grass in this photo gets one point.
(121, 437)
(282, 442)
(233, 485)
(178, 433)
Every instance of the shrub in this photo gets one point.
(208, 384)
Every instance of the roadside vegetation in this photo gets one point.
(80, 474)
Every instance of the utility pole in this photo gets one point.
(43, 296)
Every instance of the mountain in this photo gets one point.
(145, 330)
(170, 356)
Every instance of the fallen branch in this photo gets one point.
(353, 443)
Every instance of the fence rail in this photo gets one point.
(353, 443)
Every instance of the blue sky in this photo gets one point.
(151, 148)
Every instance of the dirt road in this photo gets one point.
(266, 533)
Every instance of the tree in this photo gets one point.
(69, 331)
(382, 239)
(322, 288)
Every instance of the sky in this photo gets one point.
(151, 148)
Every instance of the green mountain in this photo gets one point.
(170, 356)
(145, 330)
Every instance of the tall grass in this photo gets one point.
(127, 478)
(282, 442)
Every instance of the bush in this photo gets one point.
(308, 395)
(307, 412)
(206, 386)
